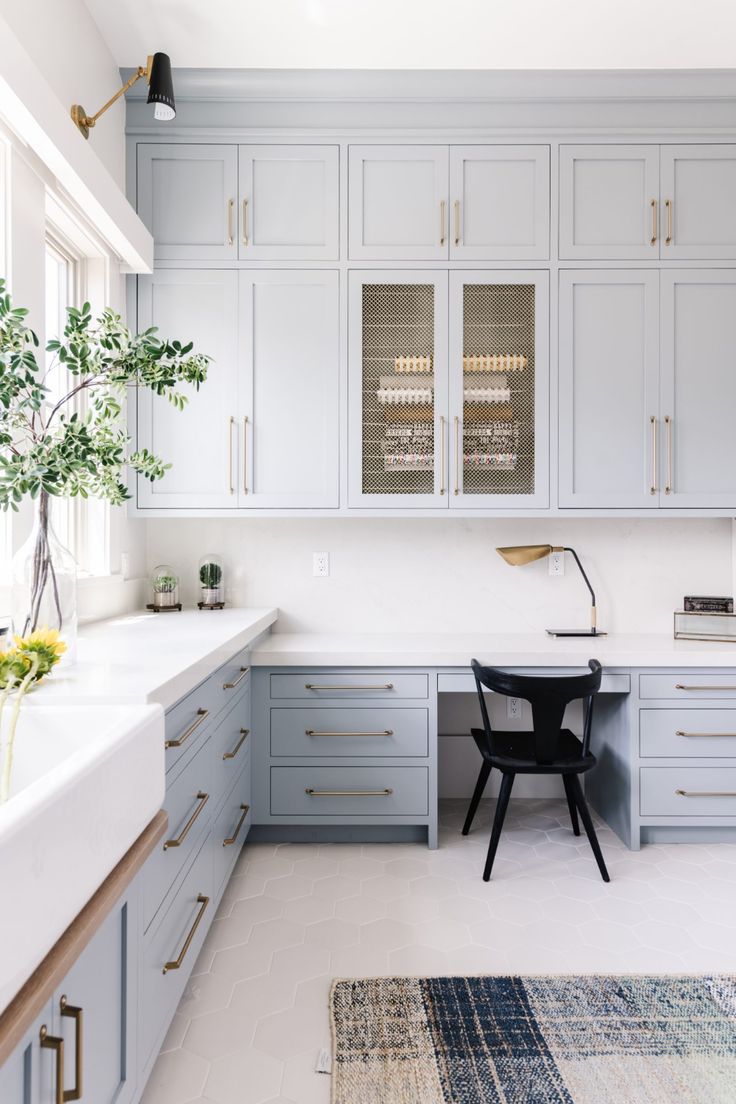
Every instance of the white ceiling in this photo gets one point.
(417, 34)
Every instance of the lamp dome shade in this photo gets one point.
(519, 554)
(161, 88)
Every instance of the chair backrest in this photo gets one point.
(548, 696)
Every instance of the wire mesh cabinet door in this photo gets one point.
(499, 390)
(397, 389)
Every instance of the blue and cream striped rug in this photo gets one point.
(534, 1040)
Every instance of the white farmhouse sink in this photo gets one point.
(86, 782)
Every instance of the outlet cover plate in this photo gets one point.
(321, 564)
(557, 563)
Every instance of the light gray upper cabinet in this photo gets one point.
(289, 417)
(698, 384)
(499, 202)
(608, 388)
(609, 198)
(698, 190)
(187, 197)
(201, 441)
(289, 203)
(398, 206)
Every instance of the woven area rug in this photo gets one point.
(534, 1040)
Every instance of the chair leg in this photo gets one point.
(570, 795)
(577, 790)
(502, 805)
(480, 785)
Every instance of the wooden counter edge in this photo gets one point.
(29, 1001)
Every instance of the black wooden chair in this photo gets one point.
(547, 749)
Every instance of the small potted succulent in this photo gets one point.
(210, 581)
(165, 588)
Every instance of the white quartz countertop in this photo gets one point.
(152, 657)
(499, 650)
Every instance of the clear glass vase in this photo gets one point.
(44, 591)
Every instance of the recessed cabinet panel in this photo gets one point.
(699, 388)
(187, 197)
(700, 184)
(290, 362)
(289, 200)
(200, 442)
(499, 199)
(609, 202)
(608, 368)
(398, 202)
(398, 389)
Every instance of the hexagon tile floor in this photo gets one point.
(294, 916)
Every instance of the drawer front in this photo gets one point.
(687, 733)
(333, 731)
(231, 828)
(229, 747)
(688, 687)
(688, 791)
(321, 685)
(161, 992)
(189, 814)
(188, 721)
(349, 791)
(465, 683)
(231, 679)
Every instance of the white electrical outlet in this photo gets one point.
(557, 563)
(321, 564)
(513, 708)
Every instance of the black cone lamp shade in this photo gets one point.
(161, 88)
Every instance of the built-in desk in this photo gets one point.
(346, 731)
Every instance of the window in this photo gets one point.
(5, 515)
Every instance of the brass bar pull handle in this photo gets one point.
(53, 1042)
(175, 964)
(230, 424)
(230, 840)
(668, 205)
(668, 430)
(653, 423)
(202, 715)
(708, 735)
(683, 686)
(245, 222)
(230, 231)
(231, 685)
(442, 454)
(76, 1014)
(706, 793)
(202, 799)
(314, 686)
(315, 732)
(457, 455)
(653, 239)
(443, 220)
(348, 793)
(243, 737)
(245, 454)
(457, 222)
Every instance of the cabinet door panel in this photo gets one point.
(699, 387)
(700, 182)
(608, 362)
(200, 441)
(186, 197)
(606, 195)
(500, 202)
(289, 200)
(397, 389)
(499, 381)
(398, 202)
(290, 389)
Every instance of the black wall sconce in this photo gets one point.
(157, 71)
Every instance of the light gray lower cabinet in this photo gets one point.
(26, 1077)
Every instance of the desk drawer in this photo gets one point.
(706, 791)
(688, 687)
(322, 685)
(457, 683)
(687, 733)
(333, 731)
(349, 791)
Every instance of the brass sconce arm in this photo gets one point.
(85, 122)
